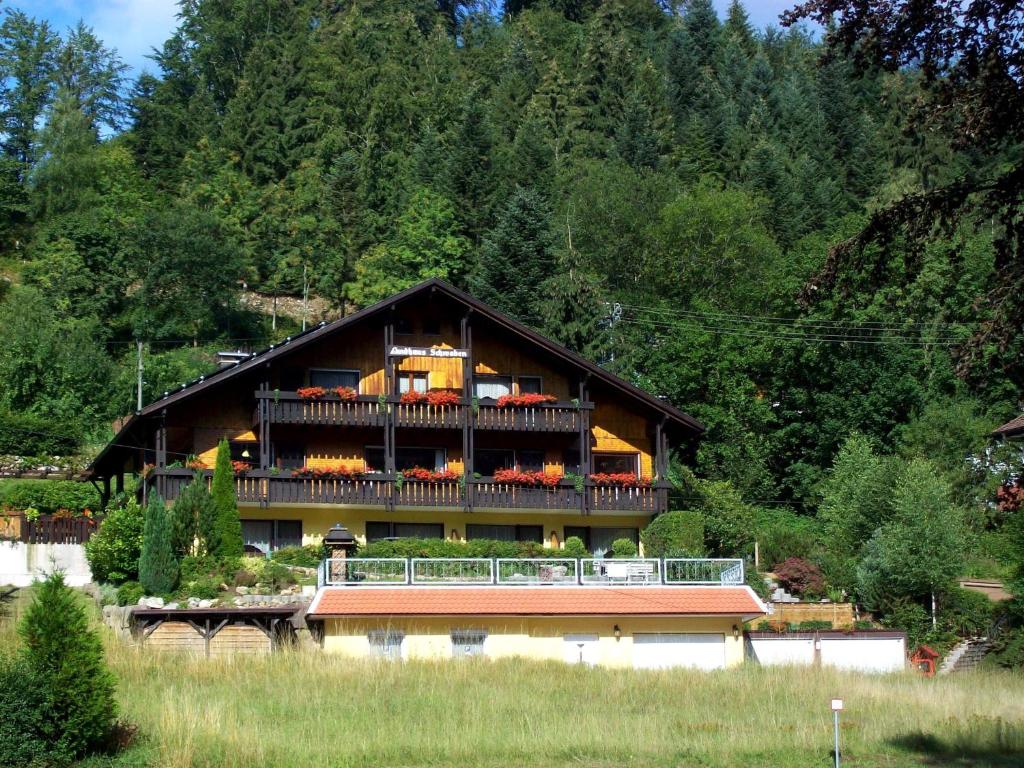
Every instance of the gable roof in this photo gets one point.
(1012, 428)
(324, 330)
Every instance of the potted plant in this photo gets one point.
(347, 394)
(429, 475)
(528, 400)
(311, 393)
(527, 479)
(620, 480)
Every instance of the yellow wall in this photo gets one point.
(539, 638)
(317, 520)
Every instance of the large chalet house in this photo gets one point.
(432, 415)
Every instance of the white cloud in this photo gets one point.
(133, 27)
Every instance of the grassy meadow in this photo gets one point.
(306, 709)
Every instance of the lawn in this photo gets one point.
(307, 709)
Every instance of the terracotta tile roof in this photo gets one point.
(1010, 428)
(535, 601)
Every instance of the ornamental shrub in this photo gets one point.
(308, 556)
(158, 568)
(66, 655)
(801, 577)
(129, 593)
(193, 519)
(113, 550)
(26, 727)
(574, 547)
(226, 539)
(674, 534)
(967, 613)
(624, 548)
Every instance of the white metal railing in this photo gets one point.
(421, 571)
(461, 570)
(632, 570)
(683, 570)
(561, 570)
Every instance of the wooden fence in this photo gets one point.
(839, 614)
(47, 529)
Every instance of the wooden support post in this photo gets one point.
(469, 422)
(262, 408)
(585, 468)
(390, 389)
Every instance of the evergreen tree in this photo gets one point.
(226, 542)
(27, 60)
(574, 310)
(737, 27)
(516, 257)
(67, 655)
(193, 519)
(158, 568)
(92, 77)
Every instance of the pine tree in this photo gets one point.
(574, 309)
(226, 541)
(193, 519)
(67, 654)
(158, 568)
(27, 59)
(737, 27)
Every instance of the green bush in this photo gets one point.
(193, 519)
(442, 548)
(813, 625)
(158, 568)
(756, 582)
(910, 617)
(26, 727)
(308, 556)
(276, 576)
(202, 576)
(574, 547)
(624, 548)
(66, 654)
(1009, 649)
(23, 434)
(862, 625)
(113, 551)
(48, 495)
(129, 593)
(674, 534)
(226, 540)
(782, 534)
(966, 613)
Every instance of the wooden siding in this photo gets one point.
(238, 638)
(176, 636)
(616, 429)
(496, 357)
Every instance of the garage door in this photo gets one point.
(663, 650)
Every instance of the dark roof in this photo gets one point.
(1012, 428)
(323, 330)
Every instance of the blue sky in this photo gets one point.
(134, 27)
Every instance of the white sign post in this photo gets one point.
(837, 707)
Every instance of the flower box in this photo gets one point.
(620, 480)
(329, 473)
(528, 400)
(346, 393)
(527, 479)
(430, 475)
(241, 467)
(311, 393)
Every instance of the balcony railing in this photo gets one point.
(380, 489)
(427, 415)
(289, 408)
(455, 572)
(556, 417)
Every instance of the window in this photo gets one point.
(263, 536)
(405, 458)
(601, 538)
(571, 460)
(291, 379)
(492, 387)
(617, 463)
(403, 325)
(376, 530)
(431, 326)
(289, 456)
(244, 451)
(468, 642)
(329, 378)
(530, 385)
(487, 461)
(531, 533)
(411, 382)
(386, 644)
(530, 460)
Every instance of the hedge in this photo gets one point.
(48, 495)
(23, 434)
(442, 548)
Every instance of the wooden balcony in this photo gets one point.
(426, 415)
(289, 408)
(381, 490)
(556, 417)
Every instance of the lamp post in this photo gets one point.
(338, 543)
(837, 707)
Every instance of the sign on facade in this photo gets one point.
(400, 351)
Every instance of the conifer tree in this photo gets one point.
(226, 541)
(193, 519)
(67, 654)
(158, 568)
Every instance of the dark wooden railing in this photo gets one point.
(49, 529)
(289, 408)
(378, 489)
(426, 415)
(557, 417)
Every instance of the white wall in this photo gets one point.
(782, 650)
(21, 564)
(882, 654)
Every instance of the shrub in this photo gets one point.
(756, 582)
(113, 550)
(967, 613)
(276, 576)
(674, 534)
(813, 625)
(862, 625)
(48, 495)
(129, 593)
(574, 547)
(244, 578)
(308, 556)
(26, 728)
(624, 548)
(202, 577)
(910, 617)
(226, 540)
(1009, 649)
(782, 533)
(193, 519)
(800, 577)
(158, 568)
(23, 434)
(67, 656)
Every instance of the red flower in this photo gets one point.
(414, 398)
(525, 401)
(329, 473)
(443, 397)
(429, 475)
(311, 393)
(620, 480)
(195, 464)
(240, 466)
(346, 393)
(527, 479)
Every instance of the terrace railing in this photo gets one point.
(556, 417)
(289, 408)
(420, 571)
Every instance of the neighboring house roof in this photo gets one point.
(1011, 428)
(536, 601)
(323, 330)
